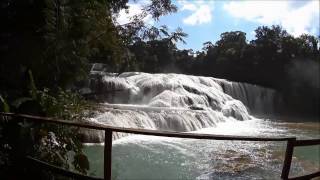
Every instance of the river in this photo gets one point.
(198, 105)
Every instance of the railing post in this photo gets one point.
(107, 154)
(287, 159)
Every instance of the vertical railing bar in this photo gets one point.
(107, 154)
(287, 159)
(291, 143)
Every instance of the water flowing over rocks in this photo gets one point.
(174, 102)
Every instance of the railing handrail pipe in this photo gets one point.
(147, 131)
(291, 141)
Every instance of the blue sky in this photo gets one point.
(205, 20)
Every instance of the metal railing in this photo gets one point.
(108, 130)
(288, 158)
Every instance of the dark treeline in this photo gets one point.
(274, 59)
(47, 45)
(57, 39)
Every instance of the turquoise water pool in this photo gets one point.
(146, 157)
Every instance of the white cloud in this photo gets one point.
(134, 9)
(296, 20)
(189, 6)
(201, 12)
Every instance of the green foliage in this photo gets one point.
(51, 143)
(157, 54)
(56, 36)
(267, 60)
(56, 143)
(62, 104)
(5, 106)
(136, 30)
(32, 85)
(74, 31)
(51, 42)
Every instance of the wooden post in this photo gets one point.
(287, 159)
(107, 154)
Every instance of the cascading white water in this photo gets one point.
(258, 99)
(173, 102)
(177, 102)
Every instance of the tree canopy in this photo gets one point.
(57, 39)
(51, 43)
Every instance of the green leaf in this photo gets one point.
(33, 88)
(6, 107)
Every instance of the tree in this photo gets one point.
(158, 53)
(56, 39)
(63, 36)
(308, 46)
(55, 36)
(137, 30)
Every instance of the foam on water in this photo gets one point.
(172, 102)
(176, 102)
(148, 157)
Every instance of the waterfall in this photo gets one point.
(175, 102)
(259, 100)
(184, 103)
